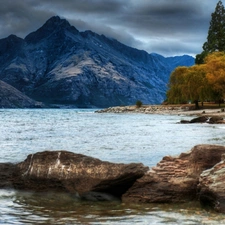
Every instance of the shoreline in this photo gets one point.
(165, 110)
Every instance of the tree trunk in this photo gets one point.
(196, 104)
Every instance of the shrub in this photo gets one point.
(139, 103)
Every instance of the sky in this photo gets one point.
(166, 27)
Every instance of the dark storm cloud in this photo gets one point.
(167, 27)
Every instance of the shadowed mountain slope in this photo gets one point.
(57, 64)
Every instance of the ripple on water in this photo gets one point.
(112, 137)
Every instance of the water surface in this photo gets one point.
(113, 137)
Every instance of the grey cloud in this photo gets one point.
(161, 26)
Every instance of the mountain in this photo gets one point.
(57, 64)
(10, 97)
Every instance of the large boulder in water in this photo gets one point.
(7, 171)
(75, 173)
(175, 179)
(212, 187)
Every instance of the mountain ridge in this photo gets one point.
(57, 64)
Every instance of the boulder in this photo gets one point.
(175, 179)
(6, 175)
(75, 173)
(201, 119)
(216, 119)
(205, 119)
(212, 187)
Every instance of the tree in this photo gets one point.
(176, 85)
(197, 87)
(139, 103)
(189, 84)
(215, 67)
(216, 34)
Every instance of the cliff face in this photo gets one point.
(57, 64)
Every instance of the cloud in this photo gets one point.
(167, 27)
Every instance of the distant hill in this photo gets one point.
(12, 98)
(57, 64)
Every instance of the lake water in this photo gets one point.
(113, 137)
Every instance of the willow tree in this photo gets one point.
(197, 85)
(189, 84)
(216, 33)
(215, 67)
(177, 85)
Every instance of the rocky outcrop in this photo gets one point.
(75, 173)
(175, 179)
(212, 187)
(196, 175)
(57, 64)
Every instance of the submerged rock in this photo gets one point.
(76, 173)
(175, 179)
(212, 187)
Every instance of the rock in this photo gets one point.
(75, 173)
(175, 179)
(212, 187)
(147, 109)
(6, 175)
(215, 119)
(201, 119)
(205, 119)
(184, 121)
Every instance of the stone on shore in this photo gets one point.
(212, 187)
(175, 179)
(75, 173)
(205, 119)
(148, 109)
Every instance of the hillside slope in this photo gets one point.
(12, 98)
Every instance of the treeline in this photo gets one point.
(204, 81)
(201, 82)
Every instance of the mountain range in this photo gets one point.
(57, 65)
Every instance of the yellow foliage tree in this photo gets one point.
(175, 92)
(199, 82)
(215, 67)
(189, 84)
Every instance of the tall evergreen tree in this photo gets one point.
(216, 33)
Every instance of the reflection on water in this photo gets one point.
(61, 208)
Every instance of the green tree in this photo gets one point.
(216, 34)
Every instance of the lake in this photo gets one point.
(120, 138)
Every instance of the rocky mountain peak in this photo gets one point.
(56, 21)
(54, 25)
(57, 64)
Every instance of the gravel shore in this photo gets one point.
(163, 109)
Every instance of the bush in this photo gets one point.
(139, 103)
